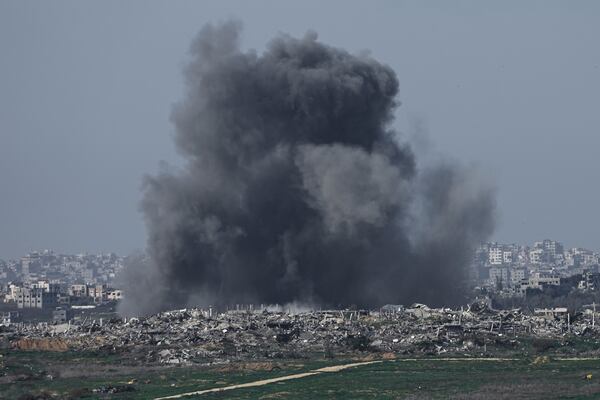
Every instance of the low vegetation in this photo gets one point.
(68, 375)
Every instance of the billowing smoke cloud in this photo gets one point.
(295, 188)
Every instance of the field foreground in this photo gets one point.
(417, 352)
(69, 375)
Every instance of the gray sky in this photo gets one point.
(86, 90)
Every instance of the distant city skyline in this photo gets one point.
(92, 252)
(86, 91)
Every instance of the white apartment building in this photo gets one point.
(495, 255)
(536, 256)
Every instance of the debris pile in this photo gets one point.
(114, 389)
(193, 336)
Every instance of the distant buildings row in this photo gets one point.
(547, 252)
(44, 295)
(46, 279)
(63, 268)
(57, 284)
(514, 268)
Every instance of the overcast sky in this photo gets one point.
(86, 90)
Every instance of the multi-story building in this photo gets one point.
(499, 254)
(78, 290)
(507, 256)
(536, 256)
(10, 317)
(35, 298)
(49, 287)
(552, 248)
(587, 282)
(495, 255)
(98, 293)
(538, 281)
(499, 277)
(579, 257)
(517, 275)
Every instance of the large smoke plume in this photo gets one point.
(296, 188)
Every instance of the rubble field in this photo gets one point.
(190, 336)
(238, 346)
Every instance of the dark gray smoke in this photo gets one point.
(296, 189)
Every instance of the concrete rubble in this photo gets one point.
(192, 336)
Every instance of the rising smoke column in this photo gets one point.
(295, 188)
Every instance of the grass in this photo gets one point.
(74, 375)
(461, 379)
(416, 379)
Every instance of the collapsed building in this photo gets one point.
(197, 336)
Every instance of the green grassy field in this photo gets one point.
(25, 375)
(439, 379)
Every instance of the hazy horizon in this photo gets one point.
(86, 91)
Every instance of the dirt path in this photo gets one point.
(335, 368)
(458, 359)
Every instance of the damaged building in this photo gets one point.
(202, 336)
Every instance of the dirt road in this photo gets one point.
(335, 368)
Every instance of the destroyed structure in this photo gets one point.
(204, 336)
